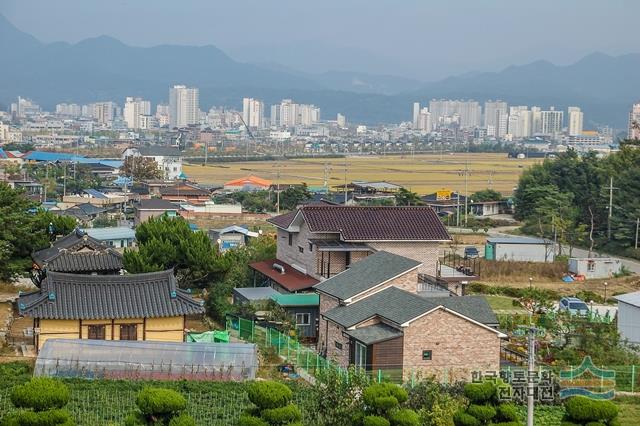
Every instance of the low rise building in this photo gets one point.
(154, 207)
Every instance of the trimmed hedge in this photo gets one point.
(480, 393)
(484, 413)
(55, 417)
(182, 420)
(463, 419)
(384, 396)
(160, 402)
(282, 415)
(584, 410)
(507, 413)
(40, 394)
(247, 420)
(268, 394)
(375, 421)
(404, 417)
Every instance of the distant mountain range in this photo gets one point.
(104, 68)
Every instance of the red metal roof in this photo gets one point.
(292, 279)
(368, 223)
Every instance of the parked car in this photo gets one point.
(573, 305)
(471, 252)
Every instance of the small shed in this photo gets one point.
(146, 360)
(629, 316)
(523, 249)
(304, 308)
(595, 267)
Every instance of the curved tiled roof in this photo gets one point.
(73, 296)
(89, 261)
(72, 242)
(371, 223)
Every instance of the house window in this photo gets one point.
(591, 266)
(360, 355)
(426, 355)
(310, 247)
(338, 345)
(128, 332)
(290, 239)
(300, 249)
(97, 332)
(303, 319)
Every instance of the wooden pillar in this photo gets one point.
(144, 328)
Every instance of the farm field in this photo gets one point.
(423, 173)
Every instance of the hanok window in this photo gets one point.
(426, 355)
(303, 318)
(128, 332)
(97, 332)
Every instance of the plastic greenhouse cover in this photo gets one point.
(148, 360)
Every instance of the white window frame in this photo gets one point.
(302, 314)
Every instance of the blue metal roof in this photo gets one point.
(95, 193)
(52, 156)
(111, 233)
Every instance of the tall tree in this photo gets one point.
(404, 197)
(140, 168)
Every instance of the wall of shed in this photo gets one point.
(524, 252)
(628, 322)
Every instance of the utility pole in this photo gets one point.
(532, 370)
(610, 208)
(458, 211)
(345, 180)
(637, 227)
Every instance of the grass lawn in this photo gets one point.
(500, 304)
(629, 410)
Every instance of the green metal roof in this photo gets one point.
(297, 299)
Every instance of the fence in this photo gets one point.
(306, 358)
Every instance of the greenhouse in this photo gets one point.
(146, 360)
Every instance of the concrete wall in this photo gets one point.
(524, 252)
(458, 347)
(629, 322)
(601, 267)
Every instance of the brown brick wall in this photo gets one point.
(425, 252)
(291, 253)
(458, 347)
(329, 333)
(407, 282)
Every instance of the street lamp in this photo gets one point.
(605, 292)
(530, 282)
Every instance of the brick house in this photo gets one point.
(373, 316)
(322, 240)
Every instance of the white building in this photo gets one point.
(133, 109)
(551, 121)
(634, 117)
(168, 158)
(492, 112)
(536, 120)
(103, 112)
(25, 108)
(184, 106)
(341, 120)
(289, 114)
(629, 316)
(416, 113)
(72, 110)
(253, 113)
(576, 118)
(519, 125)
(424, 121)
(466, 113)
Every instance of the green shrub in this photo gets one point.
(247, 420)
(595, 424)
(484, 413)
(182, 420)
(56, 417)
(282, 415)
(160, 402)
(384, 396)
(463, 419)
(507, 424)
(569, 423)
(269, 394)
(40, 393)
(480, 392)
(507, 412)
(375, 421)
(134, 419)
(404, 417)
(582, 409)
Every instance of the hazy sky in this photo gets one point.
(423, 39)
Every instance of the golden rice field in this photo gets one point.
(423, 173)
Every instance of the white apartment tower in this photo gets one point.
(416, 113)
(341, 121)
(133, 109)
(424, 120)
(253, 113)
(103, 112)
(466, 113)
(519, 122)
(184, 106)
(634, 122)
(576, 118)
(551, 121)
(492, 112)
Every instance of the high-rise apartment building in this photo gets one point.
(253, 113)
(634, 122)
(575, 118)
(493, 110)
(416, 113)
(290, 114)
(103, 112)
(133, 109)
(551, 121)
(466, 113)
(341, 121)
(25, 108)
(72, 110)
(424, 120)
(519, 126)
(184, 106)
(536, 120)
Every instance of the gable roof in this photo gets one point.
(629, 298)
(291, 280)
(399, 306)
(158, 151)
(156, 204)
(370, 223)
(73, 296)
(184, 189)
(71, 242)
(249, 180)
(366, 274)
(91, 261)
(374, 333)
